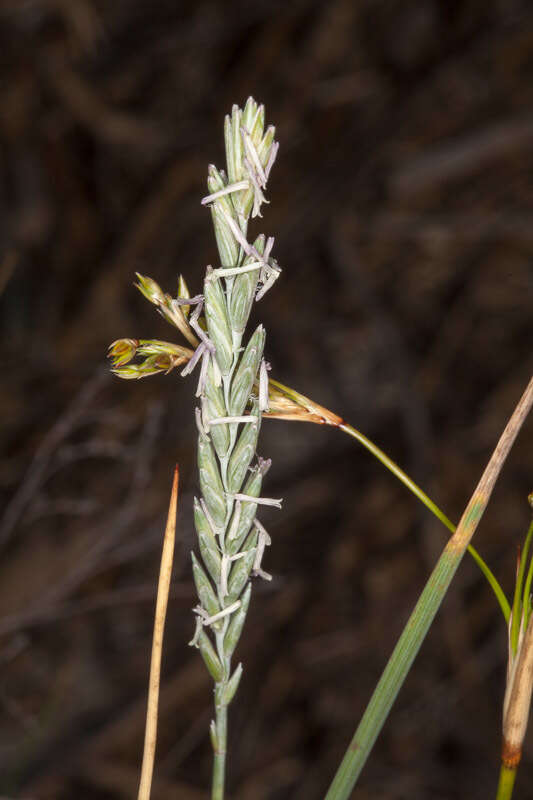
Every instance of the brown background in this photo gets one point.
(402, 207)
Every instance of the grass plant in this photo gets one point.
(234, 395)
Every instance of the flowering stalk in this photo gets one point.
(233, 394)
(231, 539)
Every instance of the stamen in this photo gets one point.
(233, 187)
(193, 359)
(262, 530)
(225, 420)
(263, 386)
(193, 322)
(252, 152)
(262, 501)
(259, 554)
(248, 248)
(198, 628)
(227, 273)
(224, 613)
(259, 197)
(189, 301)
(263, 541)
(260, 573)
(268, 248)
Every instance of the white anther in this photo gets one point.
(248, 248)
(196, 356)
(259, 197)
(233, 187)
(193, 322)
(263, 532)
(198, 628)
(189, 301)
(268, 248)
(227, 273)
(260, 573)
(263, 540)
(237, 556)
(262, 501)
(252, 152)
(263, 386)
(221, 614)
(225, 420)
(201, 612)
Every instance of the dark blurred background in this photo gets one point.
(402, 208)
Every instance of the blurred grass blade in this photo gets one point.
(165, 575)
(424, 612)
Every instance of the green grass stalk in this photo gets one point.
(433, 507)
(288, 404)
(219, 762)
(424, 613)
(506, 783)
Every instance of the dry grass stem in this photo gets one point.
(165, 576)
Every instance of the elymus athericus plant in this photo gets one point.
(232, 392)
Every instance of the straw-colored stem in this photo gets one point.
(506, 783)
(165, 575)
(424, 612)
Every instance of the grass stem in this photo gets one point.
(286, 403)
(165, 575)
(219, 764)
(506, 783)
(433, 507)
